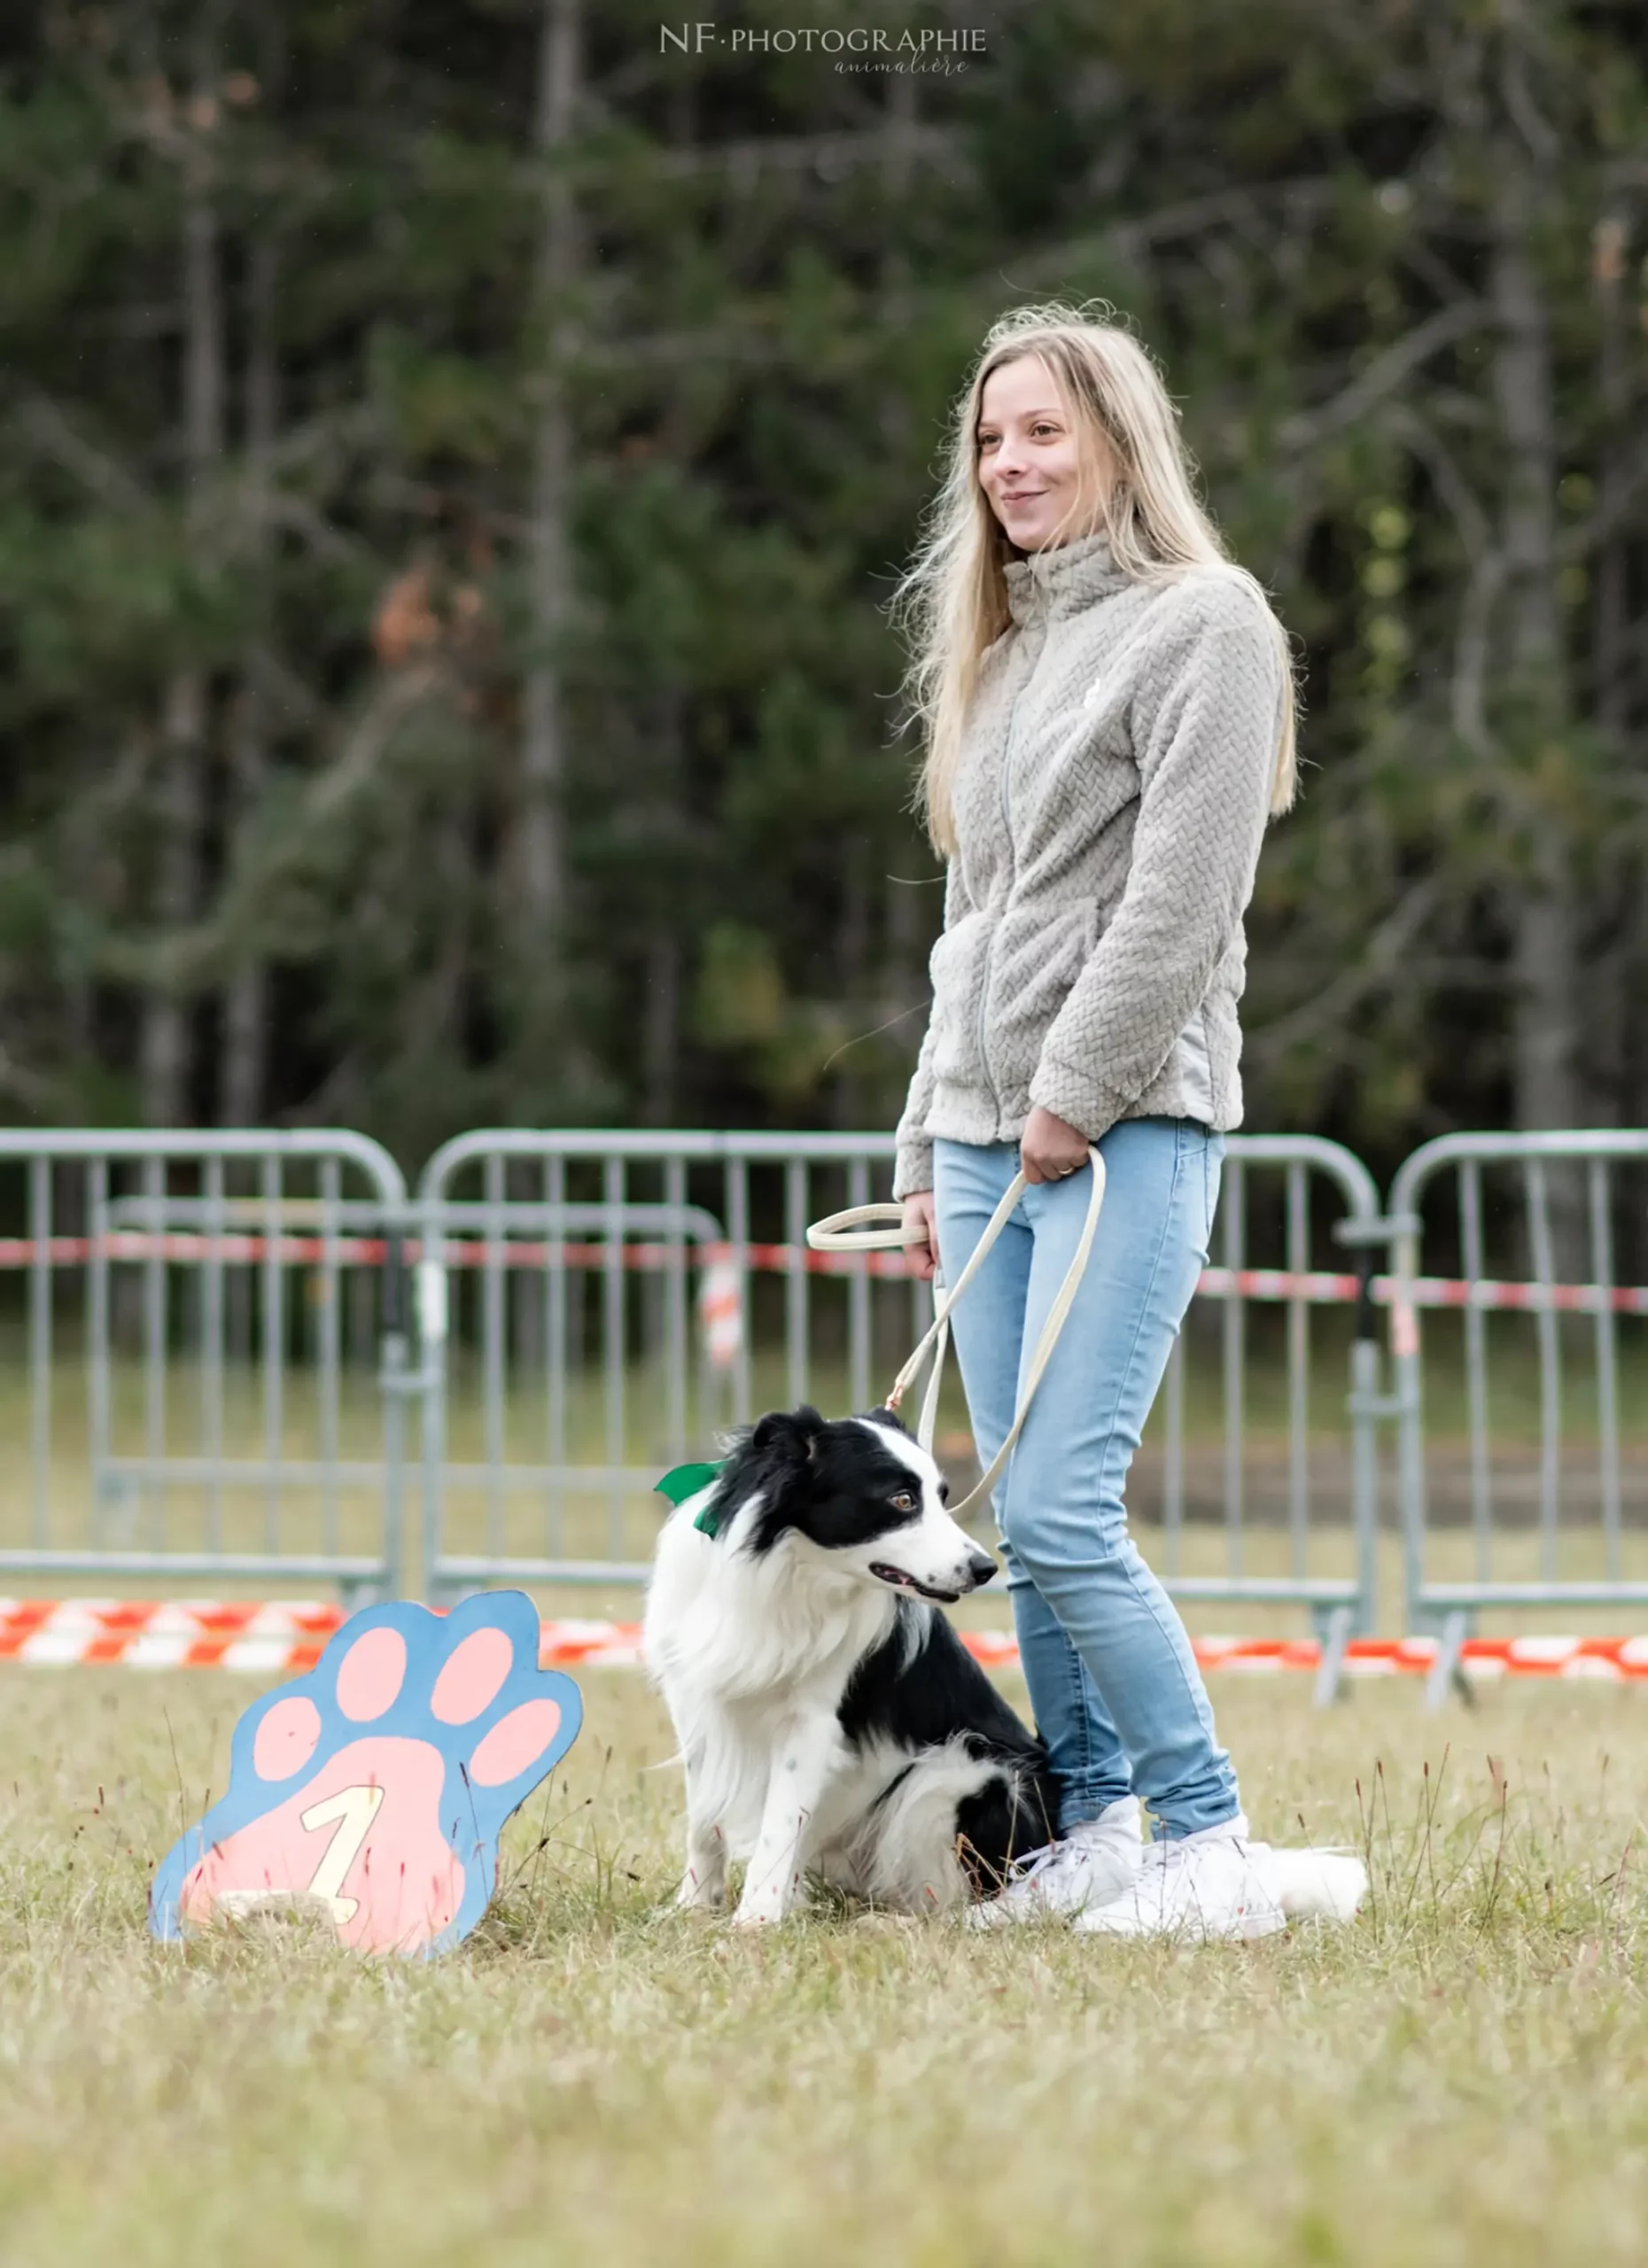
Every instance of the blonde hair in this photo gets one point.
(952, 603)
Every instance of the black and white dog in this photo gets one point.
(828, 1717)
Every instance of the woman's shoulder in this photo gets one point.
(1212, 597)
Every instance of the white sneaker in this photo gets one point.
(1091, 1865)
(1215, 1884)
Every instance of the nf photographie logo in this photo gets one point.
(856, 48)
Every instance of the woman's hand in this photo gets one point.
(917, 1214)
(1049, 1148)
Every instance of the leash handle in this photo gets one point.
(835, 1233)
(832, 1233)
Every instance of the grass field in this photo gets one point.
(1459, 2077)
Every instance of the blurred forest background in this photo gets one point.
(455, 456)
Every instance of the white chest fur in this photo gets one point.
(752, 1656)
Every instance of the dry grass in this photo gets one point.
(1453, 2080)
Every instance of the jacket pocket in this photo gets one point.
(1037, 961)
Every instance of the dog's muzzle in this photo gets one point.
(980, 1567)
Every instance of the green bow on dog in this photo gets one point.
(684, 1481)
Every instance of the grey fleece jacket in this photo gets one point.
(1110, 801)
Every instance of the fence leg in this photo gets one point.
(392, 1382)
(1366, 1409)
(1335, 1634)
(431, 1320)
(1447, 1672)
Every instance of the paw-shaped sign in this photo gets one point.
(372, 1792)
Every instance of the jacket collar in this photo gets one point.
(1061, 580)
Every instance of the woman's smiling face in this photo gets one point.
(1029, 462)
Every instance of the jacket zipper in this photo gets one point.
(1006, 830)
(983, 1053)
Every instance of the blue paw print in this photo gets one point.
(372, 1791)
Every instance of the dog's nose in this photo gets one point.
(981, 1566)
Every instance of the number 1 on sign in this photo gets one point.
(354, 1809)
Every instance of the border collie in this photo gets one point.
(828, 1717)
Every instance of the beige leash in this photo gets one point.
(834, 1233)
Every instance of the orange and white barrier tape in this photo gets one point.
(1621, 1659)
(272, 1636)
(264, 1636)
(1317, 1287)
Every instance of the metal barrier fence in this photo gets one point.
(538, 1460)
(579, 1507)
(1553, 1484)
(213, 1364)
(295, 1409)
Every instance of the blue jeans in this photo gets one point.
(1117, 1696)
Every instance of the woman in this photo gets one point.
(1109, 714)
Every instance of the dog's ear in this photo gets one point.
(883, 1415)
(792, 1432)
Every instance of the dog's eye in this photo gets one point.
(903, 1502)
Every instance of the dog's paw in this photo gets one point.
(760, 1909)
(371, 1791)
(699, 1895)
